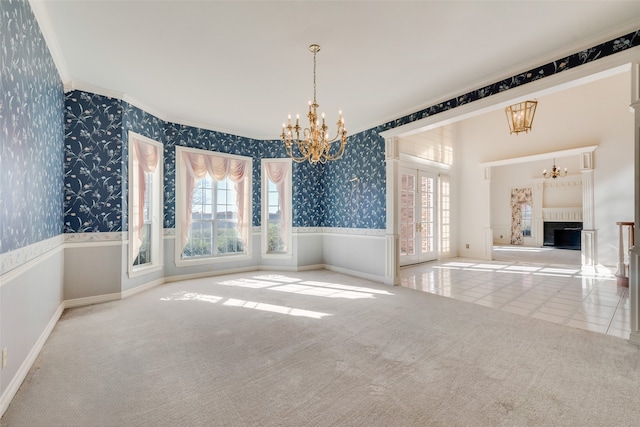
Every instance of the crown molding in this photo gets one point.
(70, 86)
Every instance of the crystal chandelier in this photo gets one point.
(520, 116)
(555, 172)
(315, 145)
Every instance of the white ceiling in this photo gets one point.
(240, 67)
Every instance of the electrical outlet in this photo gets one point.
(467, 246)
(4, 357)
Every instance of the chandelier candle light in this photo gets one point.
(315, 145)
(555, 172)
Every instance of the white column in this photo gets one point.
(392, 235)
(589, 235)
(634, 252)
(621, 269)
(488, 231)
(537, 209)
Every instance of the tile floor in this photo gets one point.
(559, 293)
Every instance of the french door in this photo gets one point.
(417, 216)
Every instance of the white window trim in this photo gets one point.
(157, 226)
(265, 211)
(180, 208)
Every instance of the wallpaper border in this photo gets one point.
(11, 260)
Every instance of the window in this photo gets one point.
(214, 220)
(525, 211)
(144, 253)
(214, 203)
(276, 206)
(145, 202)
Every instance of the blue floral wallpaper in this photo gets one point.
(31, 132)
(93, 171)
(77, 145)
(355, 186)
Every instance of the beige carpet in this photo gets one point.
(320, 349)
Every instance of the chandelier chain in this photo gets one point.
(314, 76)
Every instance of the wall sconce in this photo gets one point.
(520, 116)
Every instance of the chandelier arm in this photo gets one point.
(338, 137)
(339, 153)
(336, 156)
(293, 157)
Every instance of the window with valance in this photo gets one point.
(145, 204)
(276, 207)
(213, 193)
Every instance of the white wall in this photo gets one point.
(595, 113)
(31, 298)
(92, 269)
(360, 254)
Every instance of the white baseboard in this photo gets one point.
(360, 274)
(142, 288)
(346, 271)
(97, 299)
(310, 267)
(292, 269)
(26, 365)
(209, 274)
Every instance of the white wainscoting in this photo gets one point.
(31, 298)
(355, 252)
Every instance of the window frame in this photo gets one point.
(181, 176)
(288, 207)
(526, 207)
(156, 212)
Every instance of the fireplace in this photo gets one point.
(563, 235)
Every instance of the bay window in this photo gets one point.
(213, 196)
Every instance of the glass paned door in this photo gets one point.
(408, 217)
(417, 216)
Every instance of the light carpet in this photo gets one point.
(320, 349)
